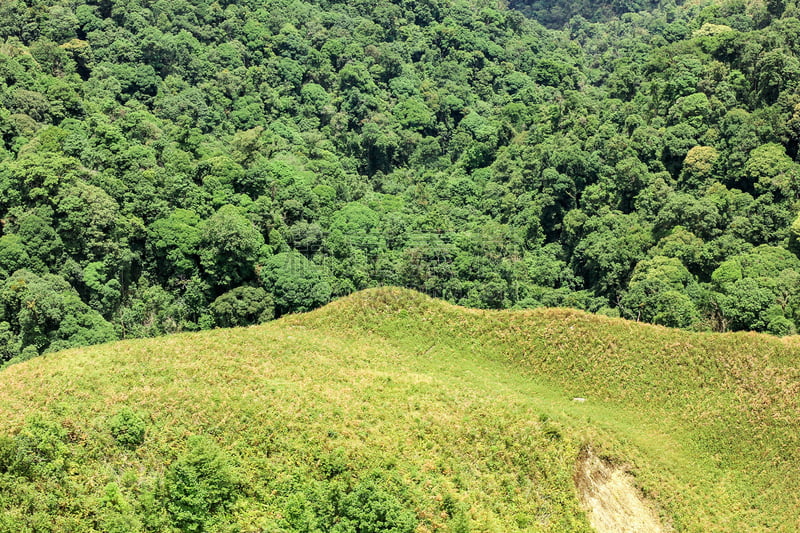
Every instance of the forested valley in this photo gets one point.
(176, 165)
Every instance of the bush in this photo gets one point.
(199, 484)
(8, 452)
(334, 463)
(40, 449)
(370, 508)
(372, 505)
(127, 428)
(299, 514)
(117, 514)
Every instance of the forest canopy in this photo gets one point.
(169, 166)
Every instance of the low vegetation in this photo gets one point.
(390, 411)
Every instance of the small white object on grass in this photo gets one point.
(579, 400)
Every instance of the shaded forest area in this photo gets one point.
(181, 165)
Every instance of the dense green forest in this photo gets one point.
(180, 165)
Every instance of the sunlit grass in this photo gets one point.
(468, 415)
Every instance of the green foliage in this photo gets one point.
(176, 241)
(758, 290)
(242, 306)
(127, 428)
(612, 245)
(38, 450)
(199, 484)
(372, 505)
(229, 247)
(771, 170)
(369, 508)
(46, 313)
(334, 463)
(118, 515)
(659, 293)
(794, 236)
(744, 304)
(296, 283)
(8, 451)
(158, 161)
(13, 255)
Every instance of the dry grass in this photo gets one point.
(470, 412)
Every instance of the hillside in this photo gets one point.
(391, 411)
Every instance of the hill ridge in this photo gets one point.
(468, 403)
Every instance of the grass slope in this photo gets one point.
(391, 408)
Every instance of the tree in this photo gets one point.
(659, 293)
(412, 113)
(46, 313)
(42, 244)
(611, 245)
(744, 305)
(770, 169)
(242, 306)
(89, 222)
(698, 167)
(683, 245)
(759, 288)
(13, 255)
(230, 245)
(296, 283)
(794, 236)
(175, 243)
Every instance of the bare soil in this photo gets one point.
(612, 502)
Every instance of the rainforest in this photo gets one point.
(184, 165)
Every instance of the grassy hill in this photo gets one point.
(390, 411)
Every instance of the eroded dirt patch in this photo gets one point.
(611, 500)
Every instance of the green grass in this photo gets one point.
(464, 419)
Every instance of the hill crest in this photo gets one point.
(426, 396)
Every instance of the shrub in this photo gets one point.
(40, 448)
(334, 463)
(299, 514)
(127, 428)
(372, 505)
(8, 451)
(199, 484)
(117, 515)
(370, 508)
